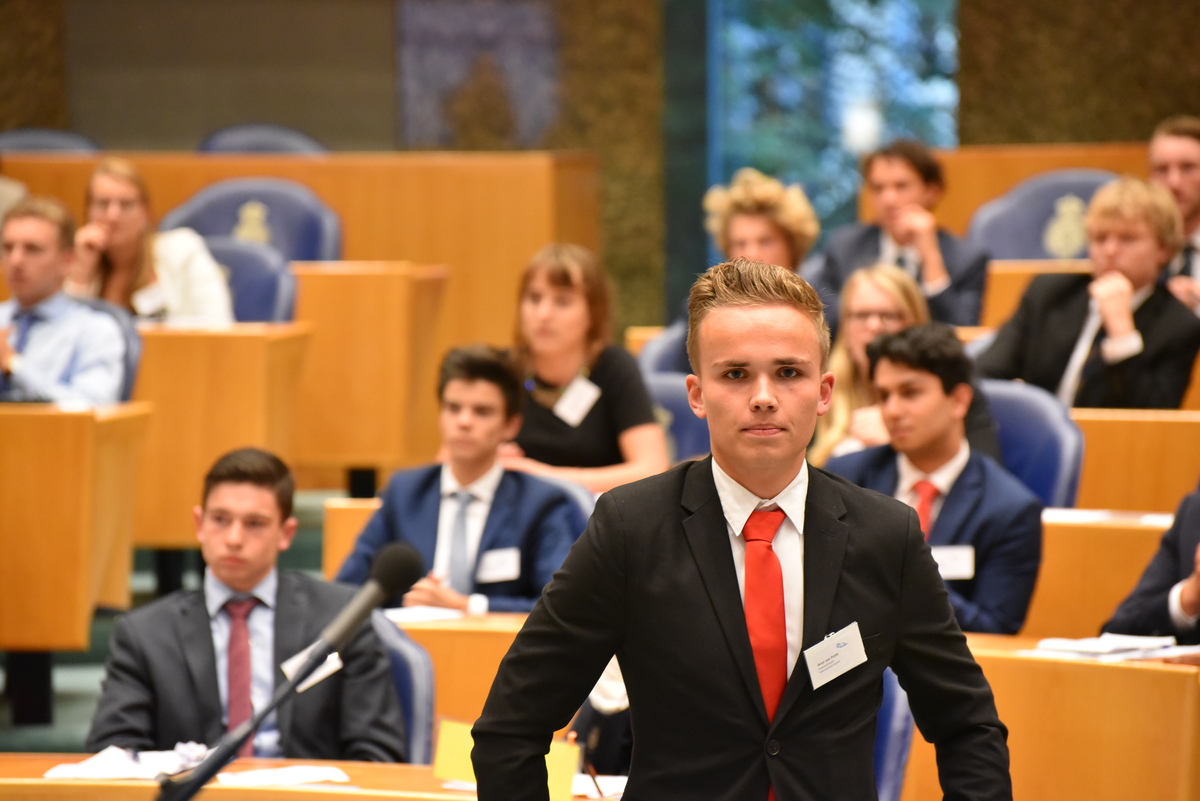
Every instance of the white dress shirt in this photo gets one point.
(908, 474)
(907, 259)
(261, 624)
(484, 490)
(737, 503)
(1112, 349)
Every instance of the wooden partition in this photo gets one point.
(1008, 280)
(345, 519)
(213, 390)
(66, 519)
(1137, 460)
(978, 173)
(1090, 562)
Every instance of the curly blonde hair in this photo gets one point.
(751, 192)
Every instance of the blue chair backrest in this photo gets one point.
(1039, 218)
(1041, 445)
(261, 138)
(584, 498)
(133, 341)
(412, 672)
(689, 432)
(893, 738)
(272, 211)
(30, 140)
(667, 352)
(263, 288)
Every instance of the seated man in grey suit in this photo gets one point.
(905, 183)
(192, 665)
(985, 526)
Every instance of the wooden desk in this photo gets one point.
(344, 520)
(1137, 460)
(1085, 729)
(66, 517)
(21, 780)
(368, 390)
(1088, 567)
(213, 390)
(1008, 280)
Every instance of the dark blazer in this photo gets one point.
(527, 513)
(1036, 344)
(652, 580)
(854, 246)
(160, 681)
(986, 508)
(1145, 610)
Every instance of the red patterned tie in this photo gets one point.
(239, 706)
(927, 493)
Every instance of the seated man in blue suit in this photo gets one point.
(493, 537)
(962, 498)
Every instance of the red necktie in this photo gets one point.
(239, 707)
(927, 493)
(765, 619)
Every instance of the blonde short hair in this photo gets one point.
(1133, 199)
(49, 209)
(751, 192)
(742, 282)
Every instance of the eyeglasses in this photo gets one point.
(885, 317)
(124, 205)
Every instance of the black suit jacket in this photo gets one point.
(855, 246)
(1036, 344)
(653, 581)
(160, 682)
(1145, 611)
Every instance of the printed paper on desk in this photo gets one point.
(499, 564)
(330, 666)
(577, 400)
(955, 562)
(834, 655)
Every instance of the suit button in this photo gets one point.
(772, 747)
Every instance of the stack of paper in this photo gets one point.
(1112, 648)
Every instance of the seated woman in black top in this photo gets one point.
(587, 415)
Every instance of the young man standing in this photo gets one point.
(752, 602)
(1174, 154)
(195, 664)
(905, 183)
(52, 348)
(492, 537)
(963, 499)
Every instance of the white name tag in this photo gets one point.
(330, 666)
(836, 654)
(502, 564)
(955, 561)
(576, 401)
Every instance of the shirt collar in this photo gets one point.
(737, 502)
(52, 307)
(216, 592)
(943, 477)
(482, 488)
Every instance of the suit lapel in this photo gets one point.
(707, 536)
(195, 640)
(291, 615)
(960, 503)
(499, 519)
(424, 525)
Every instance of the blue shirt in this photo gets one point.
(73, 353)
(261, 624)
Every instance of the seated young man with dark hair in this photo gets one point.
(962, 498)
(492, 537)
(195, 664)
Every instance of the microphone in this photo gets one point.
(394, 570)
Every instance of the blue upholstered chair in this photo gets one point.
(667, 352)
(687, 431)
(412, 671)
(893, 738)
(271, 211)
(1041, 445)
(263, 288)
(584, 498)
(1039, 218)
(30, 140)
(261, 138)
(133, 341)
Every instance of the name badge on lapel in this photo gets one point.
(576, 401)
(500, 564)
(955, 561)
(834, 655)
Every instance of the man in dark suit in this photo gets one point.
(752, 602)
(1117, 338)
(1166, 600)
(905, 183)
(493, 537)
(1174, 156)
(192, 665)
(985, 527)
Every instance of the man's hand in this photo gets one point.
(6, 353)
(866, 426)
(1189, 598)
(1186, 288)
(1113, 293)
(917, 227)
(430, 591)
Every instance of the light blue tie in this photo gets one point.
(460, 563)
(24, 321)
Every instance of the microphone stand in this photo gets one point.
(186, 785)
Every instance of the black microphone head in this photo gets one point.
(397, 567)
